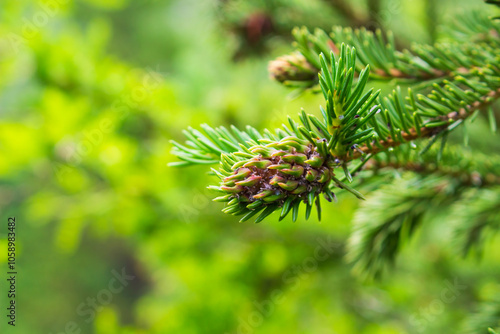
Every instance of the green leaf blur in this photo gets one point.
(92, 92)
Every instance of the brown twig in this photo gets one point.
(425, 132)
(474, 178)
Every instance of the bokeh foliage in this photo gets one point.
(88, 102)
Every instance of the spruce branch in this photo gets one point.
(391, 216)
(473, 169)
(464, 186)
(420, 63)
(433, 127)
(207, 147)
(466, 183)
(262, 172)
(478, 220)
(298, 163)
(487, 317)
(297, 169)
(475, 27)
(392, 143)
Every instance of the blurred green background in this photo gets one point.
(92, 91)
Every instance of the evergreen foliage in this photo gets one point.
(487, 315)
(363, 133)
(85, 123)
(357, 122)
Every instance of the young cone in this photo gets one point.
(292, 67)
(280, 175)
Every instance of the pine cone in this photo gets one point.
(292, 67)
(281, 174)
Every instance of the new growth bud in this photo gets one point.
(292, 67)
(289, 171)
